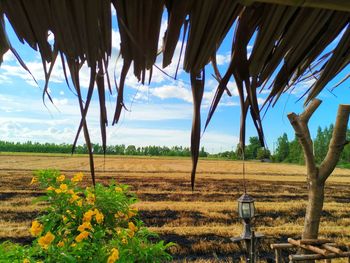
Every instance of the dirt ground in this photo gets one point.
(200, 222)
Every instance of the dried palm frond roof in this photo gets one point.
(289, 42)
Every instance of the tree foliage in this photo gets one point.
(291, 151)
(282, 150)
(35, 147)
(286, 151)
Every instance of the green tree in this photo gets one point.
(263, 153)
(320, 144)
(251, 150)
(131, 150)
(282, 150)
(296, 154)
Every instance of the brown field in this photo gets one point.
(200, 222)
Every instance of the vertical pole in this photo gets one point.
(252, 248)
(247, 250)
(278, 258)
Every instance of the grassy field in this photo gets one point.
(200, 222)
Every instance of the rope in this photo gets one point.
(243, 173)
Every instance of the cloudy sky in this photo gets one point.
(158, 114)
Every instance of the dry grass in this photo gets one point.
(201, 222)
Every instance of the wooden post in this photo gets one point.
(318, 256)
(308, 247)
(278, 257)
(252, 247)
(278, 253)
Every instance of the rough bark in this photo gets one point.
(313, 210)
(317, 176)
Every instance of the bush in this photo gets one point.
(86, 225)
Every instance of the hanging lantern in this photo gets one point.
(246, 211)
(246, 208)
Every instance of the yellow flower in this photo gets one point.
(80, 203)
(63, 188)
(114, 256)
(83, 235)
(118, 189)
(124, 241)
(33, 181)
(131, 234)
(71, 192)
(73, 198)
(78, 177)
(36, 228)
(61, 178)
(88, 215)
(73, 244)
(84, 226)
(60, 244)
(119, 214)
(58, 191)
(132, 213)
(46, 240)
(98, 216)
(26, 260)
(118, 230)
(90, 199)
(132, 227)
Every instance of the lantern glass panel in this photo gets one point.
(246, 210)
(252, 210)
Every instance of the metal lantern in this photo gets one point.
(246, 211)
(246, 208)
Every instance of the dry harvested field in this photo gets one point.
(200, 222)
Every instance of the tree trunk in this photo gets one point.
(317, 176)
(313, 210)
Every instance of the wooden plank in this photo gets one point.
(332, 249)
(315, 241)
(281, 246)
(308, 247)
(318, 256)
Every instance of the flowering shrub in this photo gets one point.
(86, 225)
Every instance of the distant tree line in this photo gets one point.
(286, 151)
(36, 147)
(289, 151)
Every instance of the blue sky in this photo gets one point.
(159, 114)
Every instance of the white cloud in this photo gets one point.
(115, 39)
(8, 57)
(4, 79)
(223, 59)
(159, 112)
(171, 91)
(302, 87)
(261, 101)
(212, 141)
(60, 102)
(11, 70)
(61, 126)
